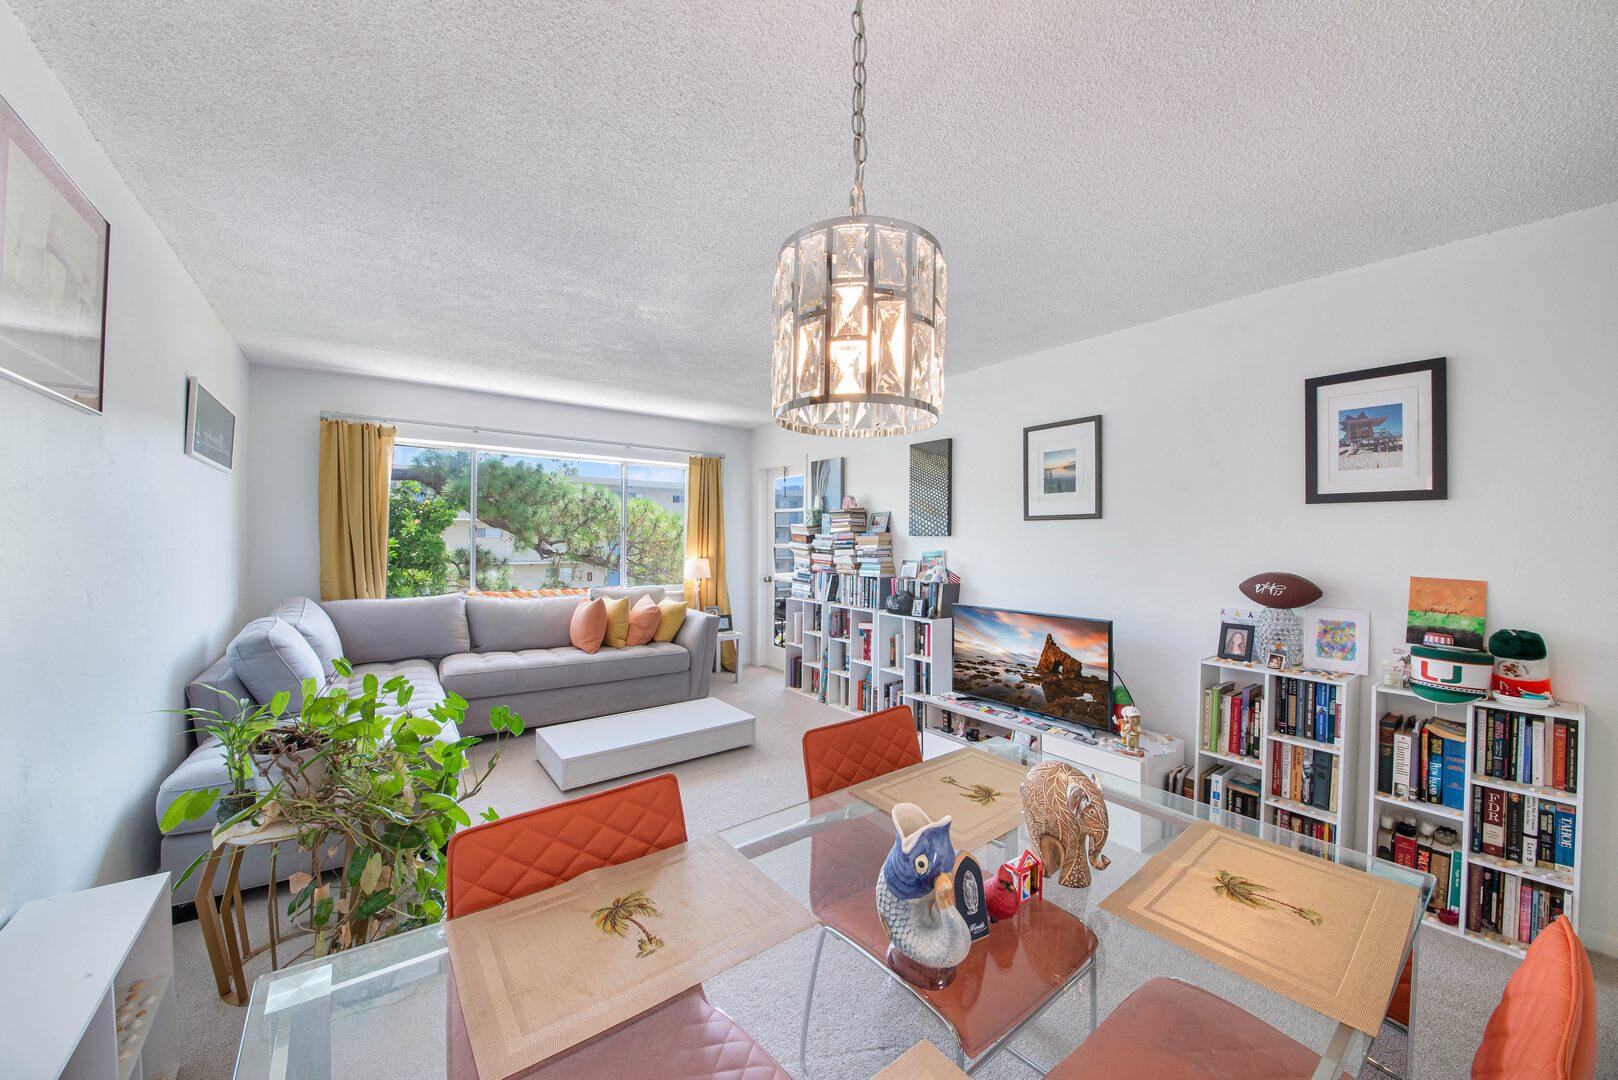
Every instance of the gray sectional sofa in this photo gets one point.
(489, 650)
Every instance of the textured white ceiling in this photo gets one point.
(583, 200)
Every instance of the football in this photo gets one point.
(1279, 589)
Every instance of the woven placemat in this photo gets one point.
(541, 974)
(1330, 937)
(924, 1061)
(977, 789)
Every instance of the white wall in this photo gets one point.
(284, 556)
(1204, 476)
(120, 557)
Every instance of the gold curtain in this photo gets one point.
(705, 538)
(356, 462)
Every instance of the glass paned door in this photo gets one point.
(784, 508)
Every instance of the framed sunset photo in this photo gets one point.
(1376, 435)
(1062, 470)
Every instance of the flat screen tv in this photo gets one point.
(1055, 665)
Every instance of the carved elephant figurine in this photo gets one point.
(1067, 821)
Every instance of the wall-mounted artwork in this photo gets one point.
(53, 273)
(1376, 435)
(1061, 466)
(210, 428)
(826, 484)
(930, 488)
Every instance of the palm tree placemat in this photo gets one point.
(1328, 936)
(544, 973)
(977, 789)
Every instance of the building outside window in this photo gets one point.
(541, 521)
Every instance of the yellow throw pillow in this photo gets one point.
(617, 621)
(673, 618)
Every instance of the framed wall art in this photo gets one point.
(930, 488)
(1337, 639)
(210, 428)
(826, 484)
(53, 273)
(1061, 464)
(1376, 435)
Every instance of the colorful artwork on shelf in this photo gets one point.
(1337, 639)
(1446, 611)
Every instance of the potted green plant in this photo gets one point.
(381, 794)
(238, 735)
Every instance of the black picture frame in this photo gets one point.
(1227, 653)
(1027, 509)
(1435, 430)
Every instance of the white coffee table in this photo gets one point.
(605, 747)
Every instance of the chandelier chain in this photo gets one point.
(856, 196)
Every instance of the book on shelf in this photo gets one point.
(1308, 710)
(1307, 826)
(873, 554)
(1231, 788)
(1232, 721)
(1302, 774)
(849, 519)
(1511, 907)
(1528, 749)
(1422, 759)
(1526, 830)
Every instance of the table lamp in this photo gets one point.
(698, 570)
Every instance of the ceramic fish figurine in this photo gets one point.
(915, 893)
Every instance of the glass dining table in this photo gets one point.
(824, 1003)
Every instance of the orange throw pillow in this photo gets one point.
(644, 618)
(589, 626)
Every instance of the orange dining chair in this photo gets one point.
(527, 853)
(1006, 980)
(1544, 1027)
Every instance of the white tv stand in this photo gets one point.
(1093, 751)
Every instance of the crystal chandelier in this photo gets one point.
(859, 314)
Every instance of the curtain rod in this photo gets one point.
(329, 415)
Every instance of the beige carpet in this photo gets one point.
(864, 1020)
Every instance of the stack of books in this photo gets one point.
(802, 574)
(1538, 750)
(1524, 830)
(1308, 710)
(851, 519)
(1232, 719)
(842, 553)
(1514, 908)
(1421, 759)
(1302, 775)
(1230, 788)
(874, 552)
(1307, 826)
(820, 553)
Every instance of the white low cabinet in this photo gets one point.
(87, 986)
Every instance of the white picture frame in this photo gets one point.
(1337, 639)
(1062, 470)
(210, 428)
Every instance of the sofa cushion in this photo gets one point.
(644, 619)
(499, 624)
(403, 628)
(671, 616)
(269, 656)
(205, 767)
(630, 592)
(588, 628)
(310, 619)
(617, 621)
(503, 674)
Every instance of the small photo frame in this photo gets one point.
(713, 609)
(1236, 641)
(919, 607)
(724, 622)
(1337, 639)
(1061, 464)
(879, 520)
(1276, 661)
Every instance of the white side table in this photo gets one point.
(719, 651)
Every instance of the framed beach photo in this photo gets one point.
(1062, 470)
(210, 428)
(1337, 639)
(1376, 435)
(53, 273)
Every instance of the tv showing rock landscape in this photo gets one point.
(1055, 665)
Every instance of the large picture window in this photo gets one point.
(531, 521)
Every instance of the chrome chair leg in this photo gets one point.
(808, 1000)
(1095, 1006)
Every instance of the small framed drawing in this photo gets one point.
(879, 520)
(1276, 661)
(1061, 464)
(210, 428)
(1337, 639)
(1376, 435)
(1236, 641)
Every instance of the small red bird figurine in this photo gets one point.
(1003, 899)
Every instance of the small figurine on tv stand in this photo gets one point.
(1129, 731)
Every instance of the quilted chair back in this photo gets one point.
(1545, 1024)
(838, 755)
(530, 852)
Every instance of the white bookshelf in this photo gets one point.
(1343, 816)
(89, 988)
(1404, 702)
(840, 660)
